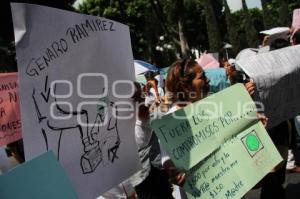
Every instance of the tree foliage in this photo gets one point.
(162, 30)
(278, 12)
(251, 33)
(283, 13)
(232, 33)
(213, 32)
(7, 49)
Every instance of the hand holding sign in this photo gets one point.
(226, 152)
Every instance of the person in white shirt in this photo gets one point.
(160, 80)
(151, 182)
(153, 93)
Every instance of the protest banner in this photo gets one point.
(276, 33)
(10, 119)
(218, 79)
(42, 177)
(276, 75)
(211, 121)
(247, 52)
(236, 167)
(74, 99)
(220, 143)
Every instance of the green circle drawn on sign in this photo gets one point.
(252, 142)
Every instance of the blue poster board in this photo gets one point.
(40, 178)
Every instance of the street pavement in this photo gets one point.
(292, 185)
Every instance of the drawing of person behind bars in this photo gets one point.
(97, 147)
(105, 130)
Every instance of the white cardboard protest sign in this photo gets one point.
(72, 69)
(276, 33)
(276, 75)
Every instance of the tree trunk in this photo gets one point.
(251, 33)
(183, 42)
(233, 36)
(213, 32)
(283, 13)
(266, 15)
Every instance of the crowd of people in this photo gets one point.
(159, 178)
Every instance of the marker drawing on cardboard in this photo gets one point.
(73, 94)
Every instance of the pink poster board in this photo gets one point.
(207, 61)
(296, 18)
(10, 120)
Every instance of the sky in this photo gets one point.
(237, 4)
(233, 4)
(76, 3)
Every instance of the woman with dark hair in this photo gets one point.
(185, 83)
